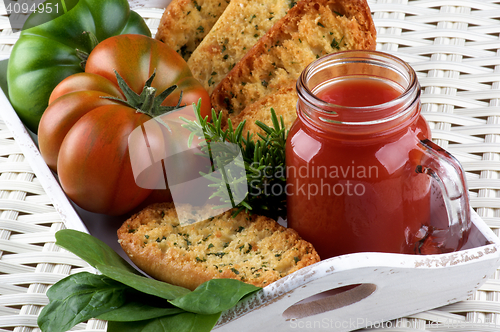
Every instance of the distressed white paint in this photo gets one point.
(393, 285)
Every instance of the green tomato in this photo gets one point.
(46, 54)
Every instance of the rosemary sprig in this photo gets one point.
(263, 163)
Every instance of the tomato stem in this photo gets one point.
(92, 38)
(149, 100)
(83, 55)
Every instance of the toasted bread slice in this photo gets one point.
(233, 35)
(253, 249)
(311, 29)
(185, 23)
(283, 102)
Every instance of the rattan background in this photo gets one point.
(454, 45)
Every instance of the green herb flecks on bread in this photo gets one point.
(310, 30)
(253, 249)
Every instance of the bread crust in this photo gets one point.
(185, 23)
(253, 249)
(235, 32)
(311, 29)
(284, 104)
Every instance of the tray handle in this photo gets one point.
(329, 300)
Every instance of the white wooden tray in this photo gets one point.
(387, 286)
(453, 45)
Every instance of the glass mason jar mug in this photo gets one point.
(360, 163)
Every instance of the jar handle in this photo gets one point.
(448, 173)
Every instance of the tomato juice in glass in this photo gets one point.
(360, 163)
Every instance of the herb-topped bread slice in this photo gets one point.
(253, 249)
(233, 35)
(284, 104)
(185, 23)
(311, 29)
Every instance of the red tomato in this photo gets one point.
(84, 137)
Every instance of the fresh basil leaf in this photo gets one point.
(78, 298)
(91, 249)
(185, 322)
(214, 296)
(143, 284)
(136, 311)
(99, 255)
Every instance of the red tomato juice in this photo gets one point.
(358, 92)
(354, 191)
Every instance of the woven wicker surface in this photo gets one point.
(454, 45)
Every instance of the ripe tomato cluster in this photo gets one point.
(83, 134)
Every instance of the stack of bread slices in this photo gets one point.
(248, 54)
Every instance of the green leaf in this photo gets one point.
(214, 296)
(78, 298)
(91, 249)
(137, 311)
(108, 262)
(185, 322)
(143, 284)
